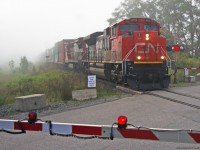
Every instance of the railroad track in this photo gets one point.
(186, 95)
(169, 95)
(177, 100)
(194, 102)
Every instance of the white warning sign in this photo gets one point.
(91, 81)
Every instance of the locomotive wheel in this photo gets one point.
(116, 74)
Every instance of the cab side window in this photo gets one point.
(114, 30)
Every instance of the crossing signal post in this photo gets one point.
(175, 48)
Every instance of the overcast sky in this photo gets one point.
(28, 27)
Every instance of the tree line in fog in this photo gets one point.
(25, 66)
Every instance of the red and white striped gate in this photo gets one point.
(85, 131)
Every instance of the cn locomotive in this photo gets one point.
(131, 52)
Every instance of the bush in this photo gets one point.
(184, 60)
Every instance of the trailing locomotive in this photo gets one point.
(131, 51)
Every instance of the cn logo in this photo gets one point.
(146, 48)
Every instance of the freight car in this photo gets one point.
(59, 53)
(131, 51)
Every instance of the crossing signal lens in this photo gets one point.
(32, 117)
(176, 48)
(122, 122)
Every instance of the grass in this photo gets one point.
(179, 84)
(57, 85)
(106, 90)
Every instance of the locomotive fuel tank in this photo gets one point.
(97, 71)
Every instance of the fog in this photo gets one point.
(29, 27)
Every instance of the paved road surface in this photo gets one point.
(141, 110)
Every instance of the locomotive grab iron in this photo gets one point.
(131, 51)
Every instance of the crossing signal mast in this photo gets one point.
(175, 48)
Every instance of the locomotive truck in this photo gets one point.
(131, 52)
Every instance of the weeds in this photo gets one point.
(57, 85)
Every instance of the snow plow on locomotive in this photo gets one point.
(131, 51)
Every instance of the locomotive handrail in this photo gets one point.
(168, 58)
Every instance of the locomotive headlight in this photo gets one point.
(162, 57)
(147, 37)
(139, 58)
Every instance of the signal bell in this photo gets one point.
(122, 122)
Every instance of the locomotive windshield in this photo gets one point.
(129, 27)
(151, 27)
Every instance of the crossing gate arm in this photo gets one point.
(86, 131)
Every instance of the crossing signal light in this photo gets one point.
(32, 117)
(176, 48)
(122, 122)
